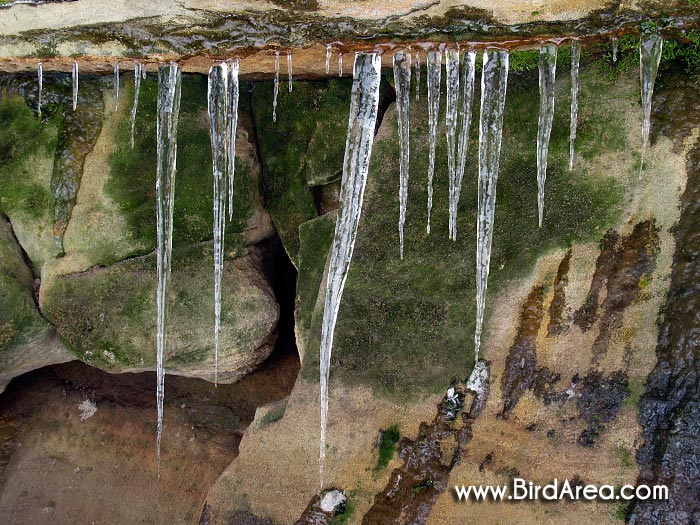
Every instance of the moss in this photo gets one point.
(304, 147)
(387, 446)
(106, 316)
(315, 238)
(20, 320)
(133, 172)
(345, 514)
(23, 137)
(405, 326)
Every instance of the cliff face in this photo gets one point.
(573, 306)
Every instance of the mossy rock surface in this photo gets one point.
(304, 148)
(20, 319)
(315, 239)
(131, 184)
(107, 316)
(406, 326)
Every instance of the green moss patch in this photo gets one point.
(406, 327)
(304, 148)
(133, 172)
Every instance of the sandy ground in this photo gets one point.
(56, 468)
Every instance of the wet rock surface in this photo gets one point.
(414, 487)
(670, 408)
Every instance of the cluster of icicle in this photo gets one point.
(459, 102)
(222, 105)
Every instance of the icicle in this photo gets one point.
(402, 81)
(575, 56)
(340, 64)
(116, 86)
(289, 69)
(75, 84)
(452, 73)
(137, 88)
(276, 88)
(40, 78)
(418, 75)
(548, 69)
(614, 48)
(329, 52)
(494, 81)
(434, 73)
(358, 149)
(217, 106)
(143, 71)
(650, 47)
(169, 81)
(231, 128)
(464, 124)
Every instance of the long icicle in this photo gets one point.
(329, 52)
(358, 149)
(494, 81)
(575, 57)
(116, 86)
(418, 74)
(340, 64)
(402, 81)
(276, 87)
(289, 69)
(232, 128)
(614, 49)
(169, 82)
(548, 69)
(452, 97)
(75, 84)
(40, 79)
(650, 48)
(434, 74)
(217, 106)
(137, 88)
(466, 103)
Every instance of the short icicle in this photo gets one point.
(116, 86)
(575, 57)
(75, 84)
(358, 149)
(276, 87)
(650, 47)
(434, 79)
(548, 69)
(137, 88)
(466, 102)
(40, 79)
(217, 106)
(494, 81)
(402, 81)
(614, 49)
(340, 64)
(169, 82)
(418, 75)
(232, 128)
(329, 52)
(289, 69)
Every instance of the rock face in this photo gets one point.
(96, 288)
(27, 341)
(571, 332)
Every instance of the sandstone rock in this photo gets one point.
(27, 341)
